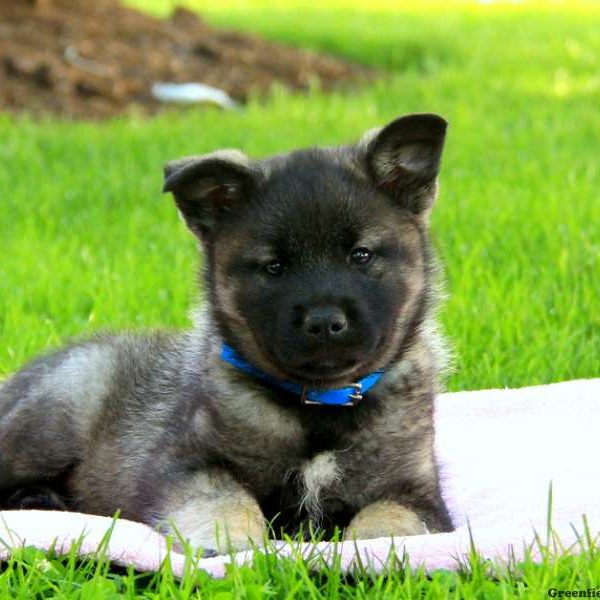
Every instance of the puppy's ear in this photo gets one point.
(207, 187)
(403, 158)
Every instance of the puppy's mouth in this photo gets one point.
(323, 373)
(324, 368)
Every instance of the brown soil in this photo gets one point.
(96, 58)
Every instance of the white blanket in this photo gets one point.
(499, 451)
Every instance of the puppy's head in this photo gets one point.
(317, 260)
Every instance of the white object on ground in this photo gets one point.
(192, 93)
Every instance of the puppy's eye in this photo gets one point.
(274, 268)
(361, 256)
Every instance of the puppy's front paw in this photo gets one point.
(384, 519)
(230, 523)
(239, 528)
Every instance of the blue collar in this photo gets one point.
(348, 396)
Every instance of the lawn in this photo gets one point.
(88, 242)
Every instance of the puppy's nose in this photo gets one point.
(325, 322)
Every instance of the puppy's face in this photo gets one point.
(317, 259)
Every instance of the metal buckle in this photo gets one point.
(357, 396)
(353, 399)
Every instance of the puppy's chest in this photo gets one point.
(324, 488)
(316, 466)
(340, 467)
(311, 456)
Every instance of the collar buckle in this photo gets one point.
(356, 397)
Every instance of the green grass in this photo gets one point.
(87, 242)
(30, 573)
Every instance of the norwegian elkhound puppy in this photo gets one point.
(304, 392)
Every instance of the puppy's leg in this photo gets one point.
(213, 511)
(383, 519)
(46, 410)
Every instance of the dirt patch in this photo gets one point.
(96, 58)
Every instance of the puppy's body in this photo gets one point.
(164, 430)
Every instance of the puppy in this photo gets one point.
(303, 396)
